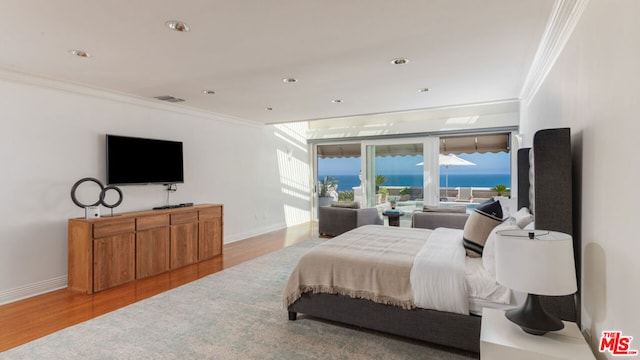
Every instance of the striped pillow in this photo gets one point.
(479, 225)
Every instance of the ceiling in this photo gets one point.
(463, 51)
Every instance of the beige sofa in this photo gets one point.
(435, 219)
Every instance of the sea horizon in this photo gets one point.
(348, 182)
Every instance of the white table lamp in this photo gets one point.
(537, 262)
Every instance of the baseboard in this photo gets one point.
(255, 232)
(45, 286)
(29, 290)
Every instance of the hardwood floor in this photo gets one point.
(29, 319)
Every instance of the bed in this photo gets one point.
(545, 187)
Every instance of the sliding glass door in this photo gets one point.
(338, 175)
(399, 173)
(395, 173)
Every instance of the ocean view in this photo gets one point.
(347, 182)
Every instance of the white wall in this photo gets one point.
(594, 88)
(53, 134)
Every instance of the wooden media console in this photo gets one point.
(110, 251)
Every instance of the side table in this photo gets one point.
(394, 216)
(502, 339)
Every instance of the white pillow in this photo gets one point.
(489, 252)
(509, 205)
(481, 285)
(523, 217)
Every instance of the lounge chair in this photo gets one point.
(464, 194)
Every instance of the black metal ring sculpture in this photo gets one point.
(101, 197)
(103, 193)
(75, 187)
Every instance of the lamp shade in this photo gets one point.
(536, 262)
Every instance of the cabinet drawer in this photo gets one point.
(152, 222)
(185, 217)
(114, 227)
(210, 213)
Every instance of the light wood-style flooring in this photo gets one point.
(29, 319)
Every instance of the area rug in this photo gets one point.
(233, 314)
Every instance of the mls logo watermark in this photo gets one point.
(617, 344)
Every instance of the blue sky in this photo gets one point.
(488, 163)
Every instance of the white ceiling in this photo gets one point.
(464, 51)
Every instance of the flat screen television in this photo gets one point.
(132, 160)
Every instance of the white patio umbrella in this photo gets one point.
(449, 160)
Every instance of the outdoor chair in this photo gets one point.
(464, 194)
(341, 217)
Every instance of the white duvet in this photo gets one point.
(438, 273)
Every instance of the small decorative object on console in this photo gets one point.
(173, 206)
(92, 210)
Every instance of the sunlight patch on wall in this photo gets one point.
(294, 176)
(294, 215)
(293, 166)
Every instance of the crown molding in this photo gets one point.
(563, 20)
(45, 82)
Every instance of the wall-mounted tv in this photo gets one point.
(132, 160)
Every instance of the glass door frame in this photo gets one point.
(430, 149)
(313, 157)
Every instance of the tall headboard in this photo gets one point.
(545, 186)
(550, 176)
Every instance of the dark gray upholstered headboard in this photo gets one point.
(552, 198)
(523, 178)
(552, 180)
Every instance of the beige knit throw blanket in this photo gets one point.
(371, 262)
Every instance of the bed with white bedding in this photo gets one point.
(403, 281)
(403, 313)
(405, 267)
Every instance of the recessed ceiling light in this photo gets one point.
(178, 26)
(80, 53)
(290, 80)
(399, 61)
(208, 92)
(424, 90)
(336, 101)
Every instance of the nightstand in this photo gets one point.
(501, 339)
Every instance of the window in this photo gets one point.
(416, 171)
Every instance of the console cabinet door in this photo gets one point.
(113, 261)
(210, 233)
(184, 244)
(210, 239)
(152, 252)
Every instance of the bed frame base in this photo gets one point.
(443, 328)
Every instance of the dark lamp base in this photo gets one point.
(533, 318)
